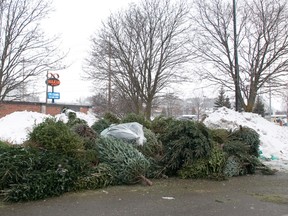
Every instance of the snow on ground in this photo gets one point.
(15, 127)
(274, 138)
(90, 118)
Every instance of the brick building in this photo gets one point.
(8, 107)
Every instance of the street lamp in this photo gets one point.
(237, 105)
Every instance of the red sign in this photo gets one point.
(53, 82)
(53, 79)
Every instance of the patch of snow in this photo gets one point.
(273, 138)
(15, 127)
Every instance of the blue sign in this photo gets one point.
(53, 95)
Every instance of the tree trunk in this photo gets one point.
(251, 101)
(148, 109)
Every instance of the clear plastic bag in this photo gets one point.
(131, 132)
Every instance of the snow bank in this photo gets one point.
(15, 127)
(273, 138)
(90, 118)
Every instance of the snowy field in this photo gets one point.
(274, 138)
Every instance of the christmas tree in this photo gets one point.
(221, 100)
(128, 164)
(259, 107)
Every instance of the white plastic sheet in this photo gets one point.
(131, 132)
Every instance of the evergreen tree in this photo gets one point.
(259, 107)
(221, 101)
(127, 163)
(227, 103)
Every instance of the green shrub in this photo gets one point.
(87, 134)
(132, 117)
(54, 135)
(105, 122)
(245, 162)
(99, 177)
(211, 167)
(37, 186)
(216, 163)
(30, 174)
(199, 169)
(233, 167)
(152, 147)
(73, 120)
(242, 147)
(4, 144)
(236, 147)
(15, 162)
(220, 136)
(184, 142)
(160, 124)
(89, 156)
(100, 125)
(84, 131)
(111, 118)
(250, 137)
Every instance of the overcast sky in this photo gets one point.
(75, 22)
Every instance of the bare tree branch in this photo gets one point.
(25, 53)
(262, 44)
(148, 44)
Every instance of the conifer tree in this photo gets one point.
(227, 102)
(128, 164)
(221, 101)
(259, 107)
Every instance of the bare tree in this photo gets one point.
(25, 53)
(200, 106)
(172, 104)
(120, 105)
(141, 50)
(262, 43)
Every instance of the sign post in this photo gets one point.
(52, 80)
(53, 95)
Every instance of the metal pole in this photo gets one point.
(270, 99)
(53, 100)
(46, 87)
(23, 78)
(237, 105)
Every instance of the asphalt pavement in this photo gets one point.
(247, 195)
